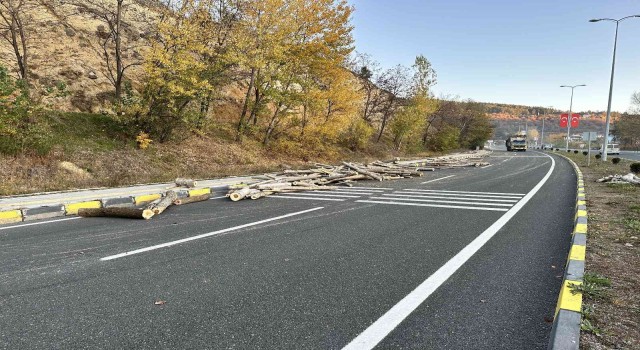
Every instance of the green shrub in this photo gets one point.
(598, 156)
(557, 149)
(635, 168)
(584, 153)
(568, 151)
(20, 131)
(615, 160)
(575, 151)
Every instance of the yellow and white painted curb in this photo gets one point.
(565, 333)
(47, 210)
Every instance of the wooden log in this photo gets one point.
(181, 201)
(116, 212)
(242, 193)
(362, 171)
(164, 203)
(190, 183)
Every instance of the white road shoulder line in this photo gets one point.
(432, 205)
(471, 201)
(184, 240)
(310, 198)
(470, 192)
(38, 223)
(392, 318)
(367, 188)
(438, 179)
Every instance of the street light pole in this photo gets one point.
(570, 110)
(613, 67)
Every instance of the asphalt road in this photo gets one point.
(478, 268)
(632, 155)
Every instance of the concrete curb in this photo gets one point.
(71, 209)
(565, 334)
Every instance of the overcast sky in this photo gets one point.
(509, 51)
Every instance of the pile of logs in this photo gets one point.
(621, 179)
(327, 177)
(149, 210)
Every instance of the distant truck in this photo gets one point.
(517, 142)
(612, 148)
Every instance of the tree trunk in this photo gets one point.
(245, 106)
(362, 171)
(118, 40)
(131, 213)
(190, 183)
(272, 125)
(164, 203)
(194, 199)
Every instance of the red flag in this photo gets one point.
(564, 120)
(575, 120)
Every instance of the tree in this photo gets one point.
(635, 102)
(627, 130)
(395, 85)
(368, 70)
(176, 72)
(15, 21)
(112, 15)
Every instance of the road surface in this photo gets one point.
(457, 259)
(631, 155)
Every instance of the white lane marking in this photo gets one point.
(204, 235)
(325, 194)
(438, 179)
(367, 188)
(371, 336)
(398, 194)
(38, 223)
(347, 192)
(470, 192)
(433, 205)
(517, 157)
(311, 198)
(487, 166)
(217, 197)
(458, 195)
(413, 199)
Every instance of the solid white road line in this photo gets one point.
(434, 205)
(413, 199)
(325, 194)
(38, 223)
(397, 194)
(310, 198)
(217, 197)
(438, 179)
(347, 192)
(367, 188)
(471, 192)
(392, 318)
(168, 244)
(459, 194)
(487, 166)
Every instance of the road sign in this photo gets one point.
(586, 136)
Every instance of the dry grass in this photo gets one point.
(612, 251)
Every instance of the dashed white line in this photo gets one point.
(371, 336)
(184, 240)
(460, 195)
(438, 179)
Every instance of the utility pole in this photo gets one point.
(570, 112)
